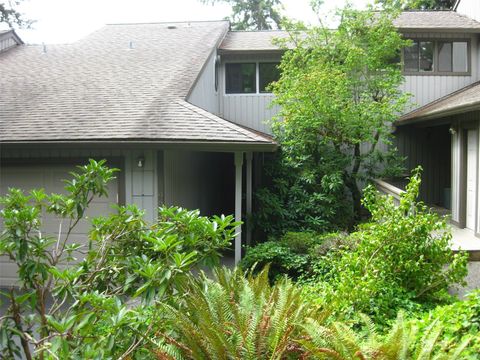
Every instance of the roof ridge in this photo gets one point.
(222, 121)
(166, 22)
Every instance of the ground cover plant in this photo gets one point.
(82, 309)
(244, 317)
(400, 259)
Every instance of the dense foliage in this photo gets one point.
(460, 321)
(338, 96)
(400, 259)
(10, 15)
(420, 4)
(238, 317)
(69, 308)
(253, 14)
(295, 254)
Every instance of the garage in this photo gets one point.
(51, 179)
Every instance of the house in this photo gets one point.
(179, 108)
(440, 131)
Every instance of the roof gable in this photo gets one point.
(123, 82)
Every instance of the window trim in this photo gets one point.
(257, 76)
(435, 72)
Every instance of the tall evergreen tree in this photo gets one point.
(420, 4)
(10, 15)
(253, 14)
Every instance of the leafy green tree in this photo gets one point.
(11, 16)
(253, 14)
(73, 308)
(338, 94)
(420, 4)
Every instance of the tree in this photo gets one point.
(11, 16)
(77, 309)
(421, 4)
(339, 94)
(253, 14)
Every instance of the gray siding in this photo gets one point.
(251, 110)
(203, 93)
(430, 148)
(140, 183)
(427, 88)
(199, 180)
(470, 8)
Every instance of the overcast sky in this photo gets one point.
(64, 21)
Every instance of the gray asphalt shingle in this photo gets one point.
(436, 20)
(454, 103)
(122, 82)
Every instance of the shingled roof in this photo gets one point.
(123, 82)
(252, 40)
(463, 100)
(436, 20)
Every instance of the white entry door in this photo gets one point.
(471, 178)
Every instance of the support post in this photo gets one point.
(248, 209)
(238, 205)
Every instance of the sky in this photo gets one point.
(65, 21)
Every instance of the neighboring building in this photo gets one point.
(180, 108)
(441, 131)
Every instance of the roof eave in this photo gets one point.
(438, 115)
(216, 146)
(438, 29)
(250, 51)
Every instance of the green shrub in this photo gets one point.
(400, 259)
(282, 260)
(238, 317)
(460, 321)
(89, 317)
(291, 255)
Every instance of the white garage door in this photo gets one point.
(50, 179)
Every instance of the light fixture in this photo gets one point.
(140, 161)
(452, 130)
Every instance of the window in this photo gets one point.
(267, 73)
(240, 78)
(250, 78)
(436, 57)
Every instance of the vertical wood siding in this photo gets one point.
(199, 180)
(430, 148)
(203, 93)
(427, 88)
(251, 110)
(140, 183)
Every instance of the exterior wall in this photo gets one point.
(428, 147)
(204, 94)
(427, 88)
(140, 183)
(470, 8)
(249, 110)
(199, 180)
(444, 166)
(7, 41)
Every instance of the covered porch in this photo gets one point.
(444, 138)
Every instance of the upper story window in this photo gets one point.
(267, 73)
(240, 78)
(437, 57)
(250, 78)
